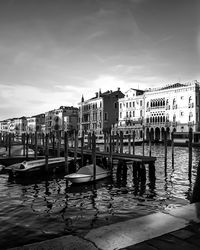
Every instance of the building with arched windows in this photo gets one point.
(173, 108)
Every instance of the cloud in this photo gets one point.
(29, 100)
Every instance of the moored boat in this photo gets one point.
(37, 166)
(86, 174)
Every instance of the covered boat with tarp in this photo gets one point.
(86, 174)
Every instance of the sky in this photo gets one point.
(54, 51)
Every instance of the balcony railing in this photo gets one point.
(191, 105)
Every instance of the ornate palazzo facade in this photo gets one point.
(171, 108)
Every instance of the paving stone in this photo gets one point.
(131, 232)
(191, 212)
(62, 243)
(182, 234)
(169, 242)
(140, 246)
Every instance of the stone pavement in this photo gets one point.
(187, 238)
(177, 228)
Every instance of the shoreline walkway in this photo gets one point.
(177, 228)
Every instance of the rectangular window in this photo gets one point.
(140, 112)
(129, 104)
(133, 104)
(106, 116)
(133, 113)
(120, 114)
(120, 105)
(141, 103)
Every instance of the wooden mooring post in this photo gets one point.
(58, 142)
(36, 144)
(172, 145)
(165, 148)
(121, 172)
(75, 146)
(53, 144)
(27, 145)
(129, 143)
(46, 152)
(94, 155)
(89, 141)
(121, 142)
(143, 140)
(24, 144)
(190, 154)
(66, 152)
(106, 142)
(9, 144)
(82, 146)
(150, 144)
(133, 143)
(110, 149)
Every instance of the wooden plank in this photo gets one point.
(139, 158)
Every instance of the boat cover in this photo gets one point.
(89, 170)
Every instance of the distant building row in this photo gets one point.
(174, 107)
(62, 119)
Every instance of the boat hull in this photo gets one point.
(84, 178)
(38, 167)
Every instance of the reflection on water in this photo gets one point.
(38, 209)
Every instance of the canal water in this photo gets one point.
(39, 209)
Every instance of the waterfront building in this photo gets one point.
(172, 108)
(64, 118)
(36, 123)
(5, 126)
(100, 113)
(16, 126)
(131, 112)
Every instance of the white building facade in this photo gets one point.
(173, 108)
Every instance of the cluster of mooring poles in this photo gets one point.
(52, 144)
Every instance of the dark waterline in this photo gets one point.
(41, 209)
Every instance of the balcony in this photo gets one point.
(191, 105)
